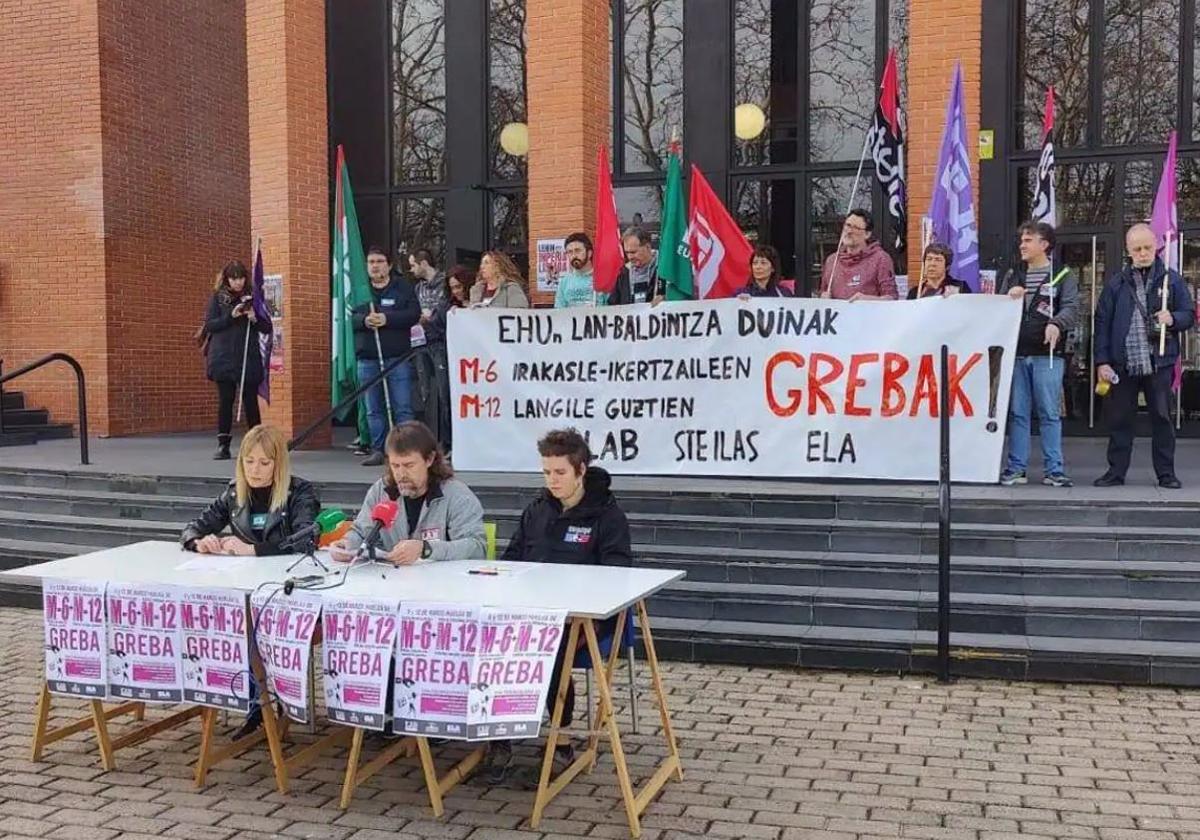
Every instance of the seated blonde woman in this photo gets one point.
(262, 507)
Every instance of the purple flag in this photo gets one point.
(1164, 217)
(952, 210)
(259, 301)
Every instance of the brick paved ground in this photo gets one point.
(767, 753)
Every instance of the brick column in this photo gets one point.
(568, 80)
(941, 32)
(289, 195)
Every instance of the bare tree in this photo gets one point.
(653, 74)
(419, 90)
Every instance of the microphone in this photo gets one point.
(382, 516)
(326, 521)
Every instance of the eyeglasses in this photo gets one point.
(848, 226)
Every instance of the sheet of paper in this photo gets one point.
(212, 563)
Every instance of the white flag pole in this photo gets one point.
(1166, 287)
(849, 206)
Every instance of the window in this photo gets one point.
(842, 78)
(1084, 193)
(651, 73)
(1141, 70)
(418, 91)
(1054, 50)
(766, 73)
(1189, 191)
(420, 223)
(510, 221)
(827, 198)
(506, 83)
(766, 213)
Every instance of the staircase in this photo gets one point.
(20, 425)
(1069, 591)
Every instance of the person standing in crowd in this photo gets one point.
(263, 507)
(459, 284)
(430, 288)
(499, 283)
(382, 333)
(935, 277)
(859, 269)
(575, 288)
(1129, 317)
(442, 519)
(638, 281)
(232, 330)
(764, 275)
(1050, 305)
(575, 519)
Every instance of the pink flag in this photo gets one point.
(1164, 218)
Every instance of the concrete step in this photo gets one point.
(12, 399)
(25, 416)
(1042, 615)
(8, 438)
(676, 503)
(1005, 656)
(42, 431)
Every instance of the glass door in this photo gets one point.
(1091, 257)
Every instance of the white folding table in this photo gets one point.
(587, 593)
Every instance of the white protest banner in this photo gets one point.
(435, 651)
(358, 640)
(75, 639)
(215, 648)
(144, 643)
(282, 631)
(764, 387)
(512, 671)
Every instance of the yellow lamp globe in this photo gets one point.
(748, 121)
(514, 139)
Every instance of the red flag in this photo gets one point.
(718, 248)
(608, 256)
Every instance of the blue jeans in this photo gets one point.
(1037, 383)
(399, 386)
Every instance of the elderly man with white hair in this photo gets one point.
(1129, 316)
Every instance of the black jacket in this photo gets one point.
(1061, 299)
(398, 302)
(625, 292)
(949, 282)
(594, 533)
(299, 512)
(1117, 307)
(227, 342)
(773, 290)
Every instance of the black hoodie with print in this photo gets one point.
(594, 532)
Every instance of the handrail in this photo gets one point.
(944, 517)
(80, 387)
(362, 389)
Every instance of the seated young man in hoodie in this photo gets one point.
(575, 519)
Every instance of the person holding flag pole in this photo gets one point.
(260, 314)
(228, 322)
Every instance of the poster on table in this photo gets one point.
(282, 630)
(552, 263)
(359, 635)
(144, 643)
(75, 638)
(215, 648)
(513, 667)
(767, 387)
(435, 651)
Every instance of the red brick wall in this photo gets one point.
(289, 194)
(568, 78)
(176, 205)
(941, 33)
(124, 191)
(51, 209)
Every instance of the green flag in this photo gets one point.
(674, 266)
(350, 285)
